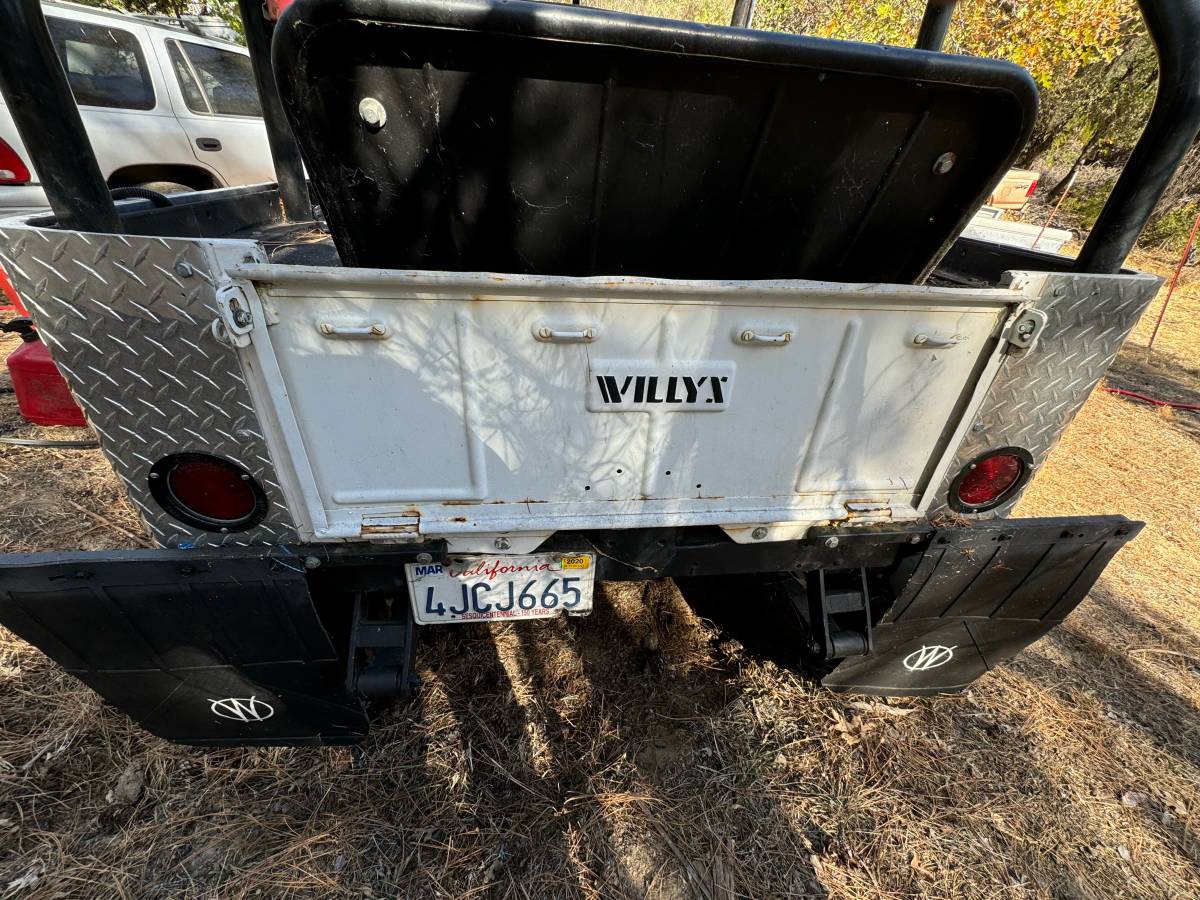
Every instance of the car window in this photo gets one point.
(104, 65)
(226, 79)
(192, 95)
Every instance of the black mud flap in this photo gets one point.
(976, 597)
(204, 648)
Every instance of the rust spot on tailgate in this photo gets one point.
(875, 508)
(408, 528)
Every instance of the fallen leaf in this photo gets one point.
(130, 785)
(883, 709)
(852, 731)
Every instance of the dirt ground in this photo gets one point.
(640, 753)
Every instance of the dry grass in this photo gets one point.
(639, 754)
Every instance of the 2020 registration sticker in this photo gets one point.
(501, 588)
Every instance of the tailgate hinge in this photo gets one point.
(403, 527)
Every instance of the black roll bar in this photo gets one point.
(935, 23)
(39, 97)
(743, 13)
(1174, 26)
(285, 154)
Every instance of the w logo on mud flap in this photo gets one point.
(928, 658)
(243, 709)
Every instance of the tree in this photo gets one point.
(1098, 114)
(1053, 39)
(224, 9)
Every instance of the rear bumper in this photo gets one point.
(264, 646)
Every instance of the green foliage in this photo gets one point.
(1170, 230)
(1082, 205)
(224, 9)
(1053, 39)
(1100, 112)
(710, 12)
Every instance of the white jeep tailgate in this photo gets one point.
(441, 404)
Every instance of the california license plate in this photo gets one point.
(505, 588)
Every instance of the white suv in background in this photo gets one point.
(164, 108)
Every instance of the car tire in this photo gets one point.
(166, 187)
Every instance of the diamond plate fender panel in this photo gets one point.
(127, 319)
(1037, 393)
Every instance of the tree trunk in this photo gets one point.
(1068, 180)
(1037, 145)
(1065, 183)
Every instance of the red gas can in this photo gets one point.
(42, 394)
(8, 295)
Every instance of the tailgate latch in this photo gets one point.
(234, 320)
(1024, 327)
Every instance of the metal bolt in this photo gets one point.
(311, 562)
(747, 336)
(183, 269)
(244, 434)
(424, 557)
(1025, 329)
(944, 163)
(153, 476)
(921, 339)
(831, 542)
(245, 477)
(372, 113)
(759, 533)
(915, 539)
(242, 318)
(502, 543)
(978, 426)
(378, 330)
(815, 648)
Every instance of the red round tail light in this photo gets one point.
(207, 492)
(990, 480)
(12, 169)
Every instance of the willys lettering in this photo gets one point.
(631, 385)
(657, 389)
